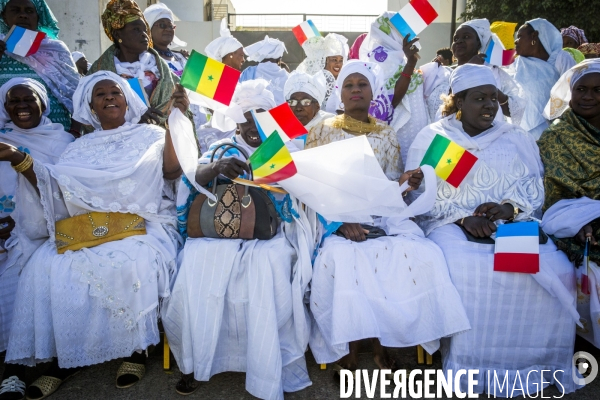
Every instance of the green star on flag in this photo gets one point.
(272, 166)
(449, 161)
(210, 77)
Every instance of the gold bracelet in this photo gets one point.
(462, 220)
(24, 165)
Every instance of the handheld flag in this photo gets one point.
(280, 119)
(414, 17)
(583, 271)
(23, 42)
(496, 54)
(305, 31)
(210, 78)
(518, 248)
(138, 88)
(272, 161)
(450, 161)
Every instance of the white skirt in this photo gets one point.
(517, 325)
(8, 291)
(233, 309)
(394, 288)
(61, 312)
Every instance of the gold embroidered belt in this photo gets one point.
(94, 228)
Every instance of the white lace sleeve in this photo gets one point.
(508, 86)
(434, 101)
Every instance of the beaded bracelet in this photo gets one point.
(24, 165)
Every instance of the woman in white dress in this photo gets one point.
(469, 44)
(237, 305)
(394, 289)
(521, 323)
(91, 292)
(24, 125)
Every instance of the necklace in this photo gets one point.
(354, 126)
(166, 53)
(102, 230)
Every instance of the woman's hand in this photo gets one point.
(180, 99)
(353, 231)
(410, 49)
(2, 48)
(495, 211)
(7, 224)
(151, 116)
(480, 227)
(184, 53)
(586, 232)
(11, 154)
(414, 177)
(478, 59)
(230, 167)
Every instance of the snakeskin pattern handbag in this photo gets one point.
(240, 212)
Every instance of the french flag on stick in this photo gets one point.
(305, 31)
(414, 18)
(497, 54)
(518, 248)
(23, 42)
(280, 119)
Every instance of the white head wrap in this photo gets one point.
(30, 83)
(223, 45)
(367, 69)
(267, 48)
(249, 95)
(482, 28)
(160, 11)
(77, 55)
(83, 97)
(549, 36)
(337, 45)
(468, 76)
(314, 85)
(560, 96)
(317, 50)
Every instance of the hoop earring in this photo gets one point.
(341, 106)
(458, 115)
(230, 56)
(533, 42)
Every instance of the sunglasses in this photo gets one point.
(303, 102)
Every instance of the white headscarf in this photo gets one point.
(367, 69)
(482, 28)
(30, 83)
(314, 85)
(560, 96)
(83, 97)
(468, 76)
(77, 55)
(223, 45)
(249, 95)
(160, 11)
(266, 48)
(337, 45)
(317, 50)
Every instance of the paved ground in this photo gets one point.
(98, 382)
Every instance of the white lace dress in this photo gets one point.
(44, 143)
(96, 304)
(520, 323)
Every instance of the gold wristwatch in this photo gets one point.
(515, 209)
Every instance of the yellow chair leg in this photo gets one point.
(323, 366)
(420, 355)
(166, 354)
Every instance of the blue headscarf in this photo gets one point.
(47, 23)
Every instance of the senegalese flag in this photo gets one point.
(450, 161)
(210, 78)
(272, 161)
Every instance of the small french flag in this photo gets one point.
(280, 119)
(496, 54)
(23, 42)
(414, 17)
(138, 87)
(518, 248)
(305, 31)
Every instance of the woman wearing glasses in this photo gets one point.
(305, 95)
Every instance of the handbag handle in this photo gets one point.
(227, 147)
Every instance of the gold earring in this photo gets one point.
(230, 56)
(533, 42)
(120, 40)
(458, 115)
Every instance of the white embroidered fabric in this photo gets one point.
(138, 69)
